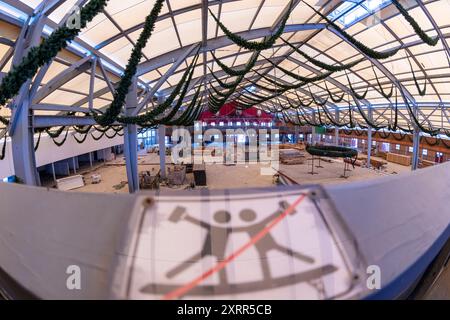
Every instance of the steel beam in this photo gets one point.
(379, 65)
(130, 141)
(435, 26)
(416, 150)
(369, 139)
(220, 42)
(21, 128)
(162, 149)
(62, 78)
(190, 51)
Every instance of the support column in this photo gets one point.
(74, 165)
(53, 171)
(21, 127)
(369, 139)
(22, 142)
(416, 150)
(296, 133)
(313, 130)
(162, 149)
(369, 145)
(130, 141)
(90, 159)
(416, 142)
(336, 129)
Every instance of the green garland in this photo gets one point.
(3, 153)
(234, 73)
(423, 91)
(301, 102)
(356, 94)
(332, 151)
(430, 131)
(386, 95)
(304, 80)
(417, 29)
(253, 45)
(323, 65)
(316, 101)
(335, 100)
(38, 141)
(83, 139)
(111, 114)
(214, 104)
(4, 121)
(60, 143)
(378, 55)
(186, 115)
(220, 82)
(149, 117)
(45, 52)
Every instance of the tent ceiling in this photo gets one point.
(112, 35)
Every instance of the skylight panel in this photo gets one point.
(352, 11)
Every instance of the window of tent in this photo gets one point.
(410, 149)
(221, 123)
(238, 123)
(213, 124)
(425, 152)
(397, 147)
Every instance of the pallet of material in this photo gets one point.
(399, 159)
(374, 163)
(297, 146)
(426, 163)
(70, 183)
(382, 154)
(292, 156)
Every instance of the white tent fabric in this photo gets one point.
(114, 33)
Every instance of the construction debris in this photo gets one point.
(149, 180)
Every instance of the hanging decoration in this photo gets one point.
(304, 80)
(384, 94)
(356, 94)
(111, 114)
(417, 29)
(423, 91)
(253, 45)
(335, 100)
(323, 65)
(378, 55)
(48, 49)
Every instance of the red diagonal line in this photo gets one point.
(188, 287)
